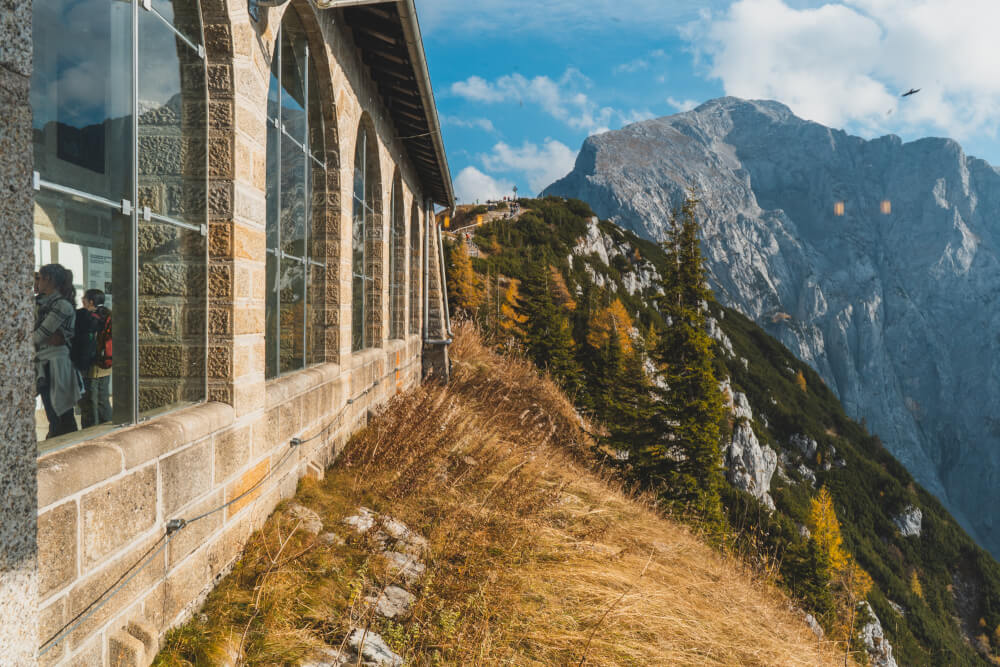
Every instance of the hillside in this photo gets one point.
(936, 593)
(485, 510)
(874, 261)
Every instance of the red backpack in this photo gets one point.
(103, 357)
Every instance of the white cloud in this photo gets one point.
(562, 99)
(484, 124)
(682, 105)
(473, 185)
(541, 165)
(845, 63)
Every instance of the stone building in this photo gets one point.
(249, 185)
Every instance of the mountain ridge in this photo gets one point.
(890, 308)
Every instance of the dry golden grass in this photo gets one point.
(535, 559)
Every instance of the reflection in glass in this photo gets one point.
(293, 77)
(292, 295)
(92, 241)
(172, 124)
(358, 235)
(183, 15)
(397, 262)
(84, 91)
(415, 270)
(81, 95)
(294, 278)
(294, 204)
(172, 300)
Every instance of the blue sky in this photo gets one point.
(520, 83)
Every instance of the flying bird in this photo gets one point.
(911, 91)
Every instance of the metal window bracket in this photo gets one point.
(126, 207)
(201, 51)
(204, 229)
(147, 5)
(147, 214)
(36, 180)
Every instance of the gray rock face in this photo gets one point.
(896, 311)
(878, 647)
(909, 521)
(751, 465)
(804, 444)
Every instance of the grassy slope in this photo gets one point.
(872, 489)
(535, 559)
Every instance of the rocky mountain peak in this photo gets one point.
(875, 261)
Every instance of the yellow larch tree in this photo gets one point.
(608, 321)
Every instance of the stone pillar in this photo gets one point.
(18, 485)
(435, 354)
(237, 88)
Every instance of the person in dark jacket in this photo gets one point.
(57, 380)
(95, 406)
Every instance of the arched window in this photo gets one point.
(119, 101)
(295, 170)
(366, 240)
(415, 277)
(397, 262)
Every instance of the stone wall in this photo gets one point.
(17, 431)
(104, 505)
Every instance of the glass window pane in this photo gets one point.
(415, 272)
(92, 241)
(172, 124)
(293, 198)
(317, 278)
(397, 262)
(172, 314)
(271, 319)
(273, 179)
(358, 313)
(274, 86)
(317, 136)
(293, 77)
(183, 15)
(292, 313)
(81, 95)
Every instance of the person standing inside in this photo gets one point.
(57, 381)
(91, 354)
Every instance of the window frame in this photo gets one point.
(133, 214)
(311, 162)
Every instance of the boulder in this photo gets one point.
(909, 521)
(804, 444)
(394, 602)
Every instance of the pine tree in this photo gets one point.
(685, 458)
(463, 286)
(548, 334)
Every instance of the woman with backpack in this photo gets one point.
(58, 382)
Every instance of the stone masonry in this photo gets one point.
(18, 570)
(103, 505)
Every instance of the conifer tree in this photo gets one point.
(685, 457)
(548, 334)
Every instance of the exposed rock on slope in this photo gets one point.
(897, 312)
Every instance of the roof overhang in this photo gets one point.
(388, 36)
